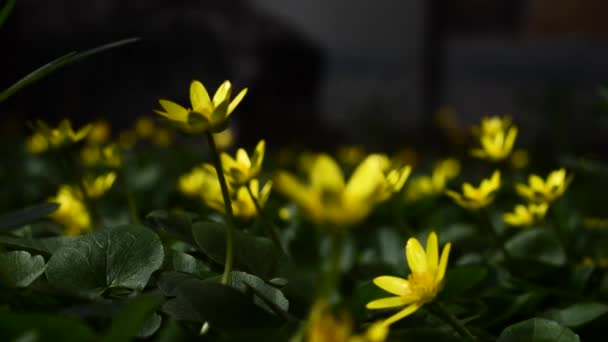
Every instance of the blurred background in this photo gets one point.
(384, 74)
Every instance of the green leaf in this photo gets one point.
(224, 307)
(460, 279)
(46, 327)
(363, 294)
(178, 225)
(537, 244)
(246, 282)
(151, 326)
(118, 257)
(6, 11)
(422, 334)
(253, 254)
(18, 218)
(537, 330)
(577, 314)
(20, 268)
(131, 320)
(46, 246)
(57, 64)
(186, 263)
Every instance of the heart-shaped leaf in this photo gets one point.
(118, 257)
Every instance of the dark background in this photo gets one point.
(323, 73)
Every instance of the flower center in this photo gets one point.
(423, 286)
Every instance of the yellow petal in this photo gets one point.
(222, 93)
(432, 252)
(294, 189)
(510, 140)
(395, 285)
(236, 101)
(242, 158)
(416, 258)
(536, 183)
(383, 303)
(258, 156)
(199, 98)
(410, 309)
(173, 111)
(443, 263)
(326, 174)
(365, 180)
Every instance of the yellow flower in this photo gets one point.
(243, 206)
(127, 139)
(144, 127)
(520, 159)
(162, 137)
(242, 169)
(191, 184)
(95, 187)
(421, 286)
(476, 198)
(435, 184)
(109, 156)
(526, 215)
(327, 198)
(63, 135)
(537, 190)
(224, 139)
(37, 143)
(72, 212)
(325, 326)
(496, 138)
(491, 125)
(203, 182)
(206, 114)
(100, 132)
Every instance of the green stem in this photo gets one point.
(268, 225)
(447, 317)
(228, 209)
(487, 222)
(558, 229)
(332, 274)
(129, 196)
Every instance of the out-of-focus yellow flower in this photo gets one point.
(108, 156)
(599, 262)
(595, 222)
(95, 187)
(538, 191)
(285, 214)
(491, 125)
(519, 159)
(37, 144)
(350, 155)
(144, 127)
(480, 197)
(243, 206)
(162, 137)
(407, 156)
(224, 139)
(63, 135)
(100, 132)
(206, 114)
(127, 139)
(523, 215)
(421, 286)
(203, 182)
(72, 212)
(435, 184)
(242, 169)
(328, 199)
(496, 138)
(325, 326)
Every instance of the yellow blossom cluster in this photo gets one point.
(496, 138)
(477, 197)
(434, 184)
(327, 198)
(244, 187)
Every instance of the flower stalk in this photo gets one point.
(440, 311)
(268, 225)
(229, 260)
